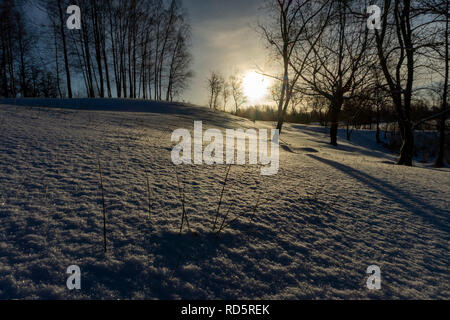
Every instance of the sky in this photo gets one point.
(224, 39)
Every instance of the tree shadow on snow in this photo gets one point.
(352, 146)
(435, 216)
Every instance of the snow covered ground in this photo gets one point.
(319, 223)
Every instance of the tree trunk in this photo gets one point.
(3, 71)
(440, 158)
(284, 89)
(334, 119)
(283, 112)
(407, 149)
(57, 61)
(105, 59)
(98, 46)
(335, 109)
(66, 59)
(378, 125)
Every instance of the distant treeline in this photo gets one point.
(383, 120)
(352, 115)
(124, 48)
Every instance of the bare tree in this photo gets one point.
(215, 85)
(284, 32)
(399, 43)
(8, 37)
(439, 11)
(179, 69)
(440, 158)
(337, 66)
(64, 43)
(21, 70)
(237, 92)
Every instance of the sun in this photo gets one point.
(255, 86)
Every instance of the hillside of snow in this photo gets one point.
(309, 232)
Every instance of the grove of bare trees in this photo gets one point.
(327, 50)
(220, 87)
(215, 84)
(124, 48)
(21, 71)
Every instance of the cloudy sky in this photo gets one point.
(223, 39)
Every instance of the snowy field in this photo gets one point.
(309, 232)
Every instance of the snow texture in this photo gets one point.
(309, 232)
